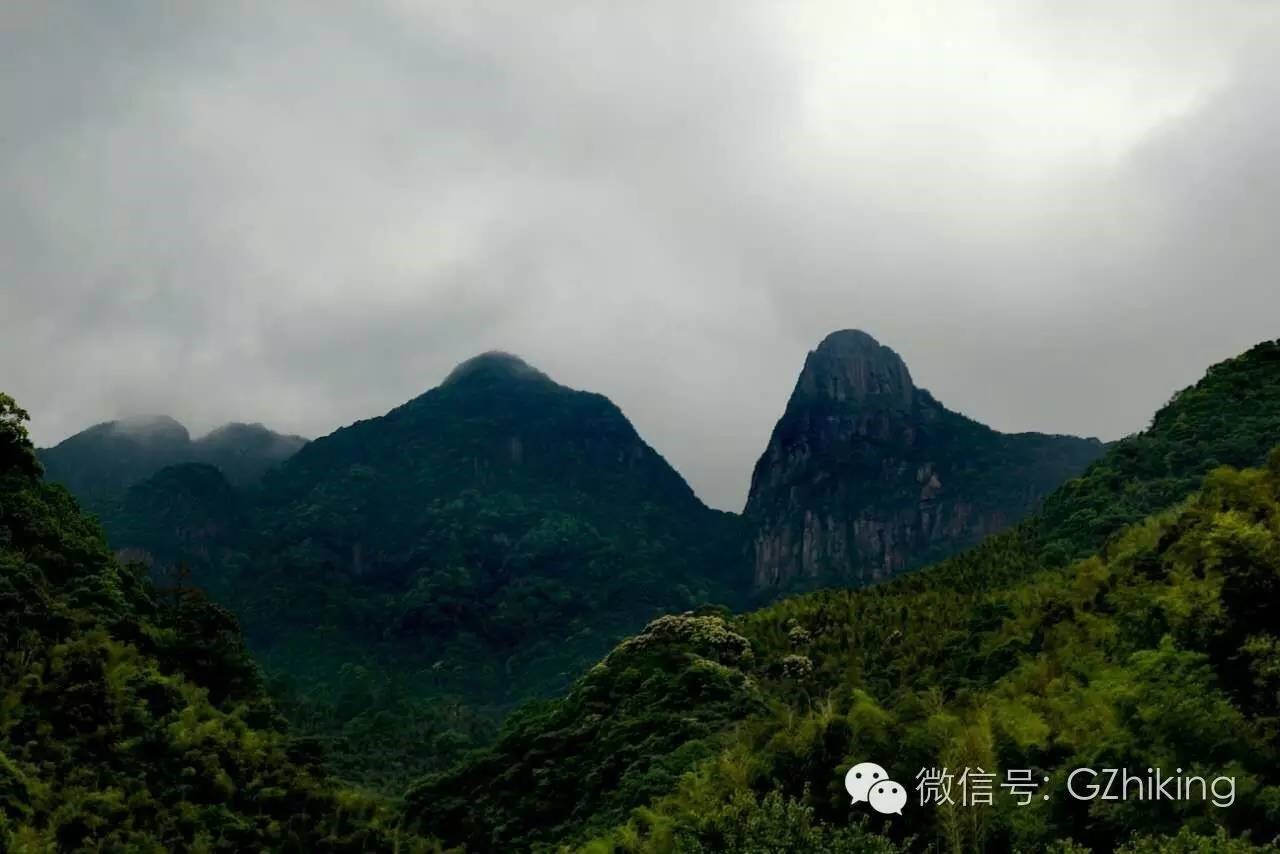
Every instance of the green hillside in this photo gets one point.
(131, 718)
(410, 578)
(427, 570)
(1155, 650)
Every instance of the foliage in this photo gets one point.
(1187, 842)
(186, 514)
(476, 547)
(483, 541)
(16, 453)
(101, 463)
(1158, 650)
(1128, 660)
(132, 719)
(623, 735)
(1231, 417)
(772, 825)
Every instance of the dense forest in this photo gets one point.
(427, 570)
(709, 732)
(99, 464)
(131, 717)
(661, 427)
(1126, 623)
(409, 579)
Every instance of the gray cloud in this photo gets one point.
(304, 213)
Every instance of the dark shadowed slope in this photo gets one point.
(410, 577)
(500, 529)
(99, 464)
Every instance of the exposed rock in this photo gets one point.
(866, 475)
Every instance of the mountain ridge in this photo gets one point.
(1004, 656)
(101, 462)
(133, 718)
(475, 546)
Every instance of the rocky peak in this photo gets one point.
(850, 366)
(866, 476)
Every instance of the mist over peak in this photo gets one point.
(148, 428)
(494, 365)
(678, 233)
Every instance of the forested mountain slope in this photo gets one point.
(99, 464)
(1228, 418)
(131, 718)
(499, 532)
(409, 578)
(1157, 650)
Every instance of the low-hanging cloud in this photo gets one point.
(304, 213)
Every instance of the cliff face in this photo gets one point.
(866, 475)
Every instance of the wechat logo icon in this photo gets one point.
(868, 782)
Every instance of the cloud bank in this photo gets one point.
(304, 213)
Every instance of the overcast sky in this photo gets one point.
(304, 213)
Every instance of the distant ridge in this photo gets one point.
(100, 463)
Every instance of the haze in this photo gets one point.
(305, 213)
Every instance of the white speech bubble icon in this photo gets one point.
(861, 777)
(887, 797)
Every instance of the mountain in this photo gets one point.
(866, 475)
(131, 718)
(187, 513)
(1156, 649)
(484, 542)
(496, 430)
(503, 514)
(244, 452)
(1230, 417)
(99, 464)
(477, 544)
(429, 568)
